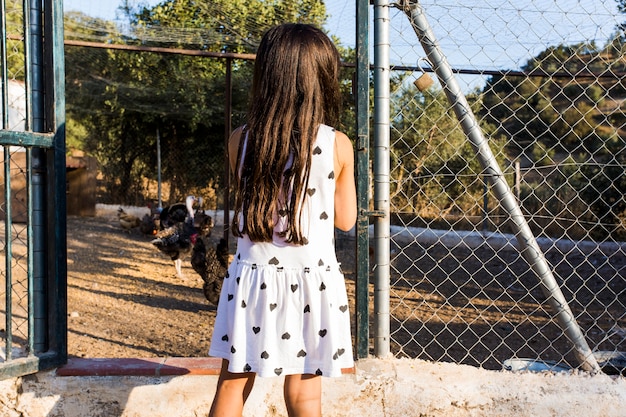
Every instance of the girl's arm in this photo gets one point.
(345, 189)
(233, 148)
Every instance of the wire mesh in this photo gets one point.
(14, 262)
(549, 98)
(546, 82)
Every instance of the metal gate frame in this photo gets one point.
(44, 141)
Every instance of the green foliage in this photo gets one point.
(435, 171)
(541, 155)
(15, 47)
(124, 99)
(558, 113)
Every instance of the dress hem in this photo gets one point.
(334, 373)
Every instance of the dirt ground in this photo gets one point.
(465, 306)
(125, 300)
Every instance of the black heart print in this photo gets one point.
(338, 354)
(256, 330)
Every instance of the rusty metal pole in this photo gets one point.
(228, 111)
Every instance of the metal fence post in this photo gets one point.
(381, 178)
(362, 174)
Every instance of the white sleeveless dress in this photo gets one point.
(283, 308)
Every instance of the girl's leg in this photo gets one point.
(303, 395)
(232, 392)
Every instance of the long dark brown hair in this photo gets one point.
(295, 89)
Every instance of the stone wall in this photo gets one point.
(376, 388)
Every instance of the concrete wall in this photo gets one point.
(377, 388)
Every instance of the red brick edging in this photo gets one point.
(144, 367)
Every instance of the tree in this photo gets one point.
(435, 170)
(124, 98)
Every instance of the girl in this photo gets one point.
(283, 309)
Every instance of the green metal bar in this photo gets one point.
(38, 179)
(362, 174)
(8, 246)
(24, 366)
(19, 366)
(8, 255)
(30, 250)
(28, 122)
(27, 139)
(57, 210)
(3, 60)
(29, 188)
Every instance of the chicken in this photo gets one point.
(200, 216)
(148, 225)
(127, 221)
(210, 261)
(175, 213)
(177, 234)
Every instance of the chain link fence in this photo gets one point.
(545, 81)
(14, 301)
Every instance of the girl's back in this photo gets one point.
(317, 218)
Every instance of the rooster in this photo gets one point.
(127, 221)
(177, 234)
(210, 261)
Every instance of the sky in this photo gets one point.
(481, 34)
